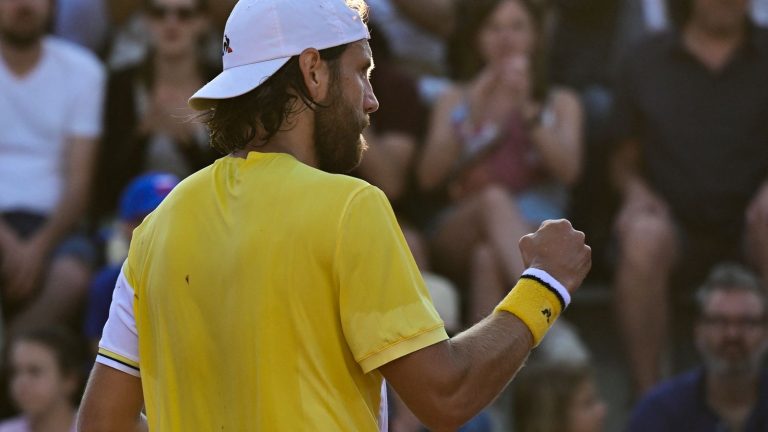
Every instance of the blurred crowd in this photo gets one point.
(645, 122)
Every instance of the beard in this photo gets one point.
(25, 31)
(744, 362)
(339, 143)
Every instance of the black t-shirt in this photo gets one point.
(703, 133)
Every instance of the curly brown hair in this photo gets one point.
(267, 109)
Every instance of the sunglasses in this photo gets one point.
(163, 12)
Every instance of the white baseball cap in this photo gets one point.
(262, 35)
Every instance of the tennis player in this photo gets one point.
(268, 293)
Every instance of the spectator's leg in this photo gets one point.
(487, 286)
(492, 218)
(648, 250)
(61, 295)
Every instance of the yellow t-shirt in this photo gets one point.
(267, 294)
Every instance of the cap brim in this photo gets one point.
(235, 82)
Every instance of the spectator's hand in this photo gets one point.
(757, 212)
(501, 88)
(638, 199)
(9, 259)
(31, 258)
(559, 250)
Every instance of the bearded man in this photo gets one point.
(730, 393)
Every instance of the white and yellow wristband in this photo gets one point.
(537, 300)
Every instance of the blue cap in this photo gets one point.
(144, 193)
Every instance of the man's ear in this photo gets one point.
(315, 72)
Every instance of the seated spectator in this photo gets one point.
(50, 106)
(692, 167)
(46, 380)
(503, 146)
(557, 397)
(730, 391)
(83, 22)
(140, 198)
(146, 123)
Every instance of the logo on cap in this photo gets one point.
(227, 49)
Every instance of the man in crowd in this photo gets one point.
(50, 111)
(730, 393)
(692, 166)
(268, 293)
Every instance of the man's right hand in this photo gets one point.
(559, 250)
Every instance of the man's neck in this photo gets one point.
(21, 60)
(732, 396)
(713, 48)
(295, 139)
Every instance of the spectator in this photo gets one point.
(557, 397)
(139, 199)
(692, 164)
(502, 144)
(46, 366)
(83, 22)
(730, 391)
(50, 109)
(145, 129)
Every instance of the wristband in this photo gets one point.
(537, 300)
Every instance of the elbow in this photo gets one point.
(447, 412)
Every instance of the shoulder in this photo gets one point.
(77, 59)
(675, 395)
(17, 424)
(649, 50)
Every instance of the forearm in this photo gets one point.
(435, 16)
(74, 200)
(488, 355)
(560, 155)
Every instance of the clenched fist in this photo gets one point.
(559, 250)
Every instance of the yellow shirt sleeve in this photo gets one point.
(385, 307)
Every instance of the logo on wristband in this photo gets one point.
(547, 313)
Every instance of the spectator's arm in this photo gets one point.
(625, 164)
(435, 16)
(112, 402)
(561, 142)
(387, 162)
(79, 169)
(442, 149)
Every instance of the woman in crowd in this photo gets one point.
(147, 126)
(557, 397)
(502, 145)
(45, 381)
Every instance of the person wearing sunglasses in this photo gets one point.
(730, 392)
(146, 117)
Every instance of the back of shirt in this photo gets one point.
(267, 293)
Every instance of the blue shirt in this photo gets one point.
(99, 301)
(680, 405)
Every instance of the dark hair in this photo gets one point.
(267, 109)
(543, 394)
(730, 277)
(67, 348)
(464, 58)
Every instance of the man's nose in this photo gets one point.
(370, 103)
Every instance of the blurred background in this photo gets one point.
(644, 122)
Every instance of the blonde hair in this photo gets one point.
(360, 6)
